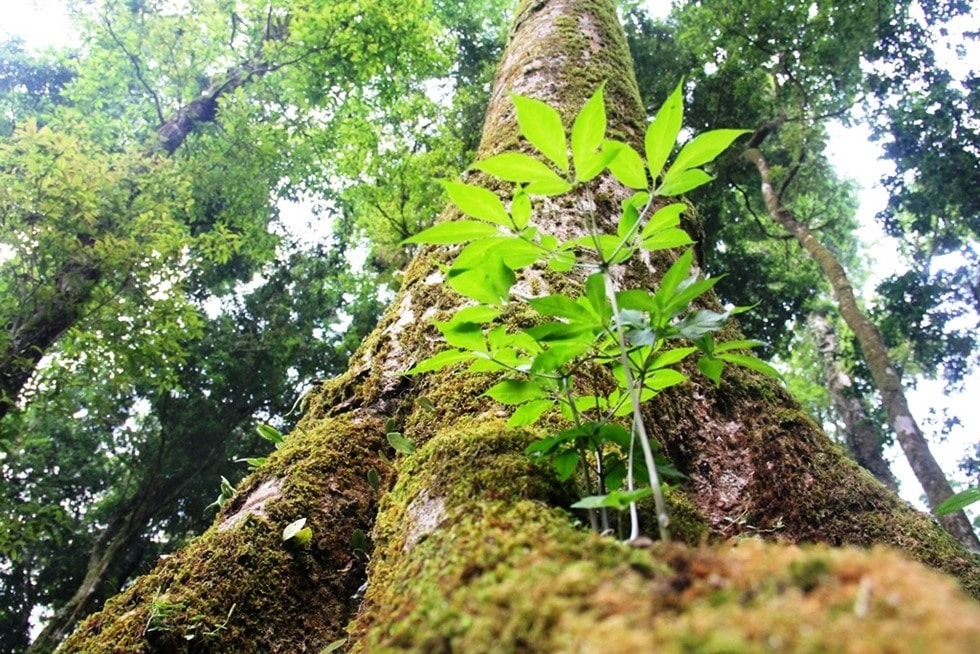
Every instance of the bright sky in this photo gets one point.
(45, 22)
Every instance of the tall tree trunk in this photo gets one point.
(860, 435)
(472, 549)
(885, 377)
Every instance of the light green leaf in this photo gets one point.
(293, 528)
(477, 314)
(520, 208)
(477, 202)
(440, 361)
(541, 126)
(670, 357)
(400, 443)
(490, 283)
(334, 646)
(560, 306)
(619, 499)
(529, 412)
(666, 239)
(588, 132)
(519, 167)
(750, 362)
(663, 378)
(626, 165)
(687, 293)
(591, 166)
(270, 433)
(676, 274)
(455, 231)
(704, 148)
(562, 261)
(663, 131)
(959, 501)
(465, 335)
(516, 391)
(664, 218)
(683, 181)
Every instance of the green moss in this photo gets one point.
(239, 587)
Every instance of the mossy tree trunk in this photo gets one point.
(472, 549)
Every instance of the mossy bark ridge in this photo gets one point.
(473, 550)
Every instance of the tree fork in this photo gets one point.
(473, 549)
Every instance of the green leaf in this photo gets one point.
(400, 443)
(590, 167)
(736, 345)
(750, 362)
(541, 126)
(666, 239)
(440, 361)
(663, 131)
(271, 434)
(565, 464)
(516, 391)
(619, 499)
(670, 357)
(562, 261)
(711, 368)
(676, 274)
(595, 293)
(958, 501)
(663, 218)
(562, 307)
(626, 165)
(254, 462)
(293, 528)
(529, 412)
(334, 646)
(520, 208)
(490, 283)
(687, 293)
(518, 167)
(465, 335)
(454, 231)
(373, 479)
(477, 202)
(697, 324)
(683, 181)
(658, 380)
(588, 132)
(479, 314)
(704, 148)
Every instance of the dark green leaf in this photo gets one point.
(565, 464)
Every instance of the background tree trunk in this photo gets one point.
(472, 549)
(886, 378)
(860, 435)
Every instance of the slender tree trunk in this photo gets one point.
(860, 435)
(886, 378)
(471, 549)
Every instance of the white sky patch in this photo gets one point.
(41, 23)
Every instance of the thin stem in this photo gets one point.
(663, 520)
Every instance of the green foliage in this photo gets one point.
(635, 335)
(959, 501)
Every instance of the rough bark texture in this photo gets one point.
(860, 434)
(885, 377)
(472, 550)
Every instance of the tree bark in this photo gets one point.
(885, 377)
(472, 548)
(860, 435)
